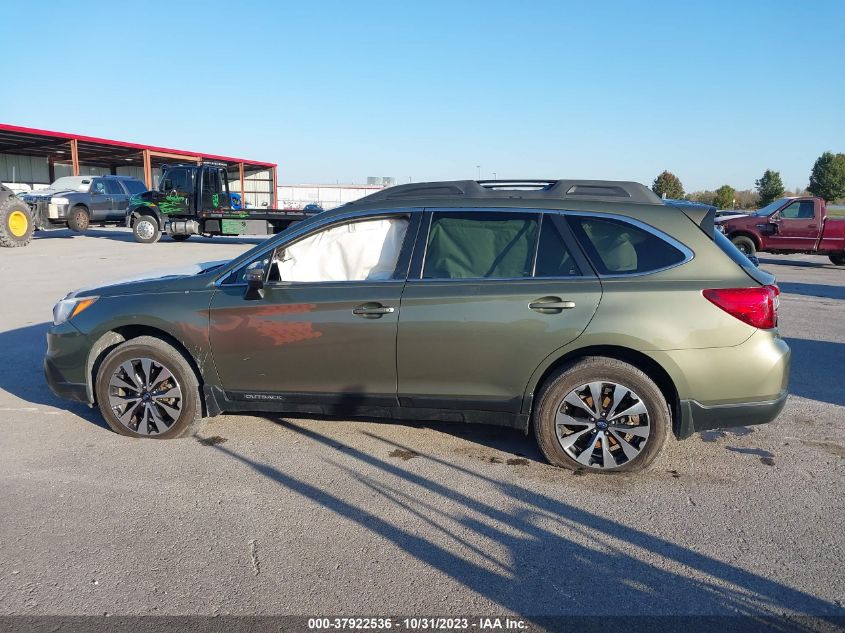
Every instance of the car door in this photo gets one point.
(493, 295)
(798, 227)
(177, 188)
(324, 329)
(119, 199)
(100, 199)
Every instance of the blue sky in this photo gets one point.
(716, 92)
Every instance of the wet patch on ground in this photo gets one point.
(759, 452)
(718, 434)
(211, 441)
(837, 450)
(403, 454)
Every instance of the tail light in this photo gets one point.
(755, 306)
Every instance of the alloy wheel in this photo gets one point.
(145, 396)
(602, 425)
(145, 229)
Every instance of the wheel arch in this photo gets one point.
(640, 360)
(144, 209)
(114, 337)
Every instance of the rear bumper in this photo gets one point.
(696, 417)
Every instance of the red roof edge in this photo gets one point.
(5, 127)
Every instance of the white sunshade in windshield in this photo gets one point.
(76, 183)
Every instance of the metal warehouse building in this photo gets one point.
(32, 159)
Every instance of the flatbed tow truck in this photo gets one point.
(194, 200)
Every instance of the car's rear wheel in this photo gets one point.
(78, 219)
(145, 388)
(601, 415)
(837, 259)
(745, 245)
(145, 229)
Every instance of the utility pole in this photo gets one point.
(478, 167)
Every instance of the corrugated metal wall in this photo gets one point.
(32, 172)
(327, 196)
(24, 169)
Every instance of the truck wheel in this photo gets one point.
(16, 226)
(145, 388)
(744, 244)
(78, 219)
(838, 259)
(601, 415)
(145, 228)
(180, 237)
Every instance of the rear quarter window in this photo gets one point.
(617, 247)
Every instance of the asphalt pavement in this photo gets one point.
(282, 515)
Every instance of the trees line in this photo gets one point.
(827, 180)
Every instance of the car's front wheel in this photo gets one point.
(745, 244)
(145, 388)
(601, 415)
(79, 219)
(145, 229)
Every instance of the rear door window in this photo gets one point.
(617, 247)
(480, 245)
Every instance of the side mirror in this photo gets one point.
(255, 283)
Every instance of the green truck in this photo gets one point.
(195, 200)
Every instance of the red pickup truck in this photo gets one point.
(788, 225)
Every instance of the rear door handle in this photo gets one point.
(372, 310)
(551, 305)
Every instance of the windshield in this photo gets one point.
(134, 186)
(771, 207)
(78, 183)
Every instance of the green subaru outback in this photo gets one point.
(590, 312)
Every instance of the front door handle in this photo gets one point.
(551, 305)
(372, 310)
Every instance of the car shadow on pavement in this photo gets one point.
(812, 290)
(816, 371)
(795, 262)
(532, 553)
(127, 236)
(22, 372)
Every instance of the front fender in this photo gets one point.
(137, 210)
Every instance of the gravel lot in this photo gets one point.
(275, 515)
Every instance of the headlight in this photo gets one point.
(69, 308)
(59, 201)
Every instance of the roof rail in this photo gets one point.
(597, 190)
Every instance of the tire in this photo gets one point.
(16, 225)
(79, 219)
(630, 448)
(148, 416)
(744, 244)
(837, 259)
(180, 237)
(145, 229)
